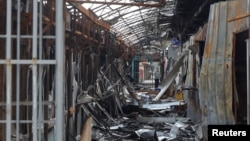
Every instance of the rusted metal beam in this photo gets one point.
(238, 17)
(91, 16)
(160, 4)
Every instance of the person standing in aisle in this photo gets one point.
(157, 78)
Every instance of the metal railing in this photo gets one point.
(28, 105)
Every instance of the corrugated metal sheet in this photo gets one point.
(191, 83)
(216, 85)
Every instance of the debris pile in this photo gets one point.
(146, 120)
(153, 127)
(129, 112)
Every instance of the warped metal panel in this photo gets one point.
(216, 91)
(170, 76)
(190, 92)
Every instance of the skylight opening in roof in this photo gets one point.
(132, 22)
(112, 7)
(136, 23)
(97, 6)
(123, 25)
(135, 13)
(123, 28)
(103, 11)
(90, 5)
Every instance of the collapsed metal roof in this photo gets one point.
(136, 22)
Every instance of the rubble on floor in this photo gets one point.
(144, 119)
(124, 111)
(153, 128)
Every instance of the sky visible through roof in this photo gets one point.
(132, 20)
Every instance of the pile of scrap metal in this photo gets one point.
(122, 111)
(148, 129)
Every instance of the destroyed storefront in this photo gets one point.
(218, 66)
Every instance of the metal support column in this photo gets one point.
(18, 70)
(40, 78)
(34, 71)
(59, 131)
(8, 71)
